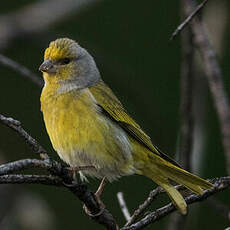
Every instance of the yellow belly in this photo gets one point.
(82, 135)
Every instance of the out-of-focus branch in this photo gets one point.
(186, 101)
(177, 222)
(220, 184)
(123, 206)
(37, 17)
(21, 69)
(188, 19)
(214, 76)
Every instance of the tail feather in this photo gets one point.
(163, 171)
(175, 196)
(189, 180)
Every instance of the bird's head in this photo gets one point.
(69, 66)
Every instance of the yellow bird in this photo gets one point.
(88, 126)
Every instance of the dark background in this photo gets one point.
(130, 43)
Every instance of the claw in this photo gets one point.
(98, 197)
(74, 170)
(100, 189)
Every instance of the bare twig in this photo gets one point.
(123, 206)
(14, 166)
(188, 19)
(30, 179)
(214, 76)
(152, 195)
(21, 69)
(87, 197)
(80, 190)
(220, 184)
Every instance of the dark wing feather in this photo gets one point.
(113, 108)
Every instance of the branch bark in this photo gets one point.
(220, 184)
(188, 19)
(81, 191)
(60, 176)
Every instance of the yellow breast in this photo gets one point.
(81, 135)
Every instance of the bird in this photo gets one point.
(89, 127)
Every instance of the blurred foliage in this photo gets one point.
(130, 43)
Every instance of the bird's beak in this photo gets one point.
(48, 67)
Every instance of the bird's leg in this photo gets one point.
(98, 198)
(100, 190)
(75, 170)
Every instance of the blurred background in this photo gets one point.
(130, 43)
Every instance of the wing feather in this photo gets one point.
(113, 108)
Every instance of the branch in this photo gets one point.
(123, 205)
(220, 184)
(14, 166)
(30, 179)
(188, 19)
(25, 72)
(214, 77)
(57, 170)
(61, 177)
(186, 101)
(152, 195)
(177, 221)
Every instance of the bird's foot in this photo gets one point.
(98, 198)
(75, 170)
(100, 189)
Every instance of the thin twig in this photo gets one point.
(31, 179)
(220, 184)
(152, 195)
(80, 190)
(188, 19)
(25, 72)
(14, 166)
(123, 206)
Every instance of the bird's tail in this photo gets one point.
(163, 171)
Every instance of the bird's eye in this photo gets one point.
(64, 61)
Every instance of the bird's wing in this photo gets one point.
(113, 108)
